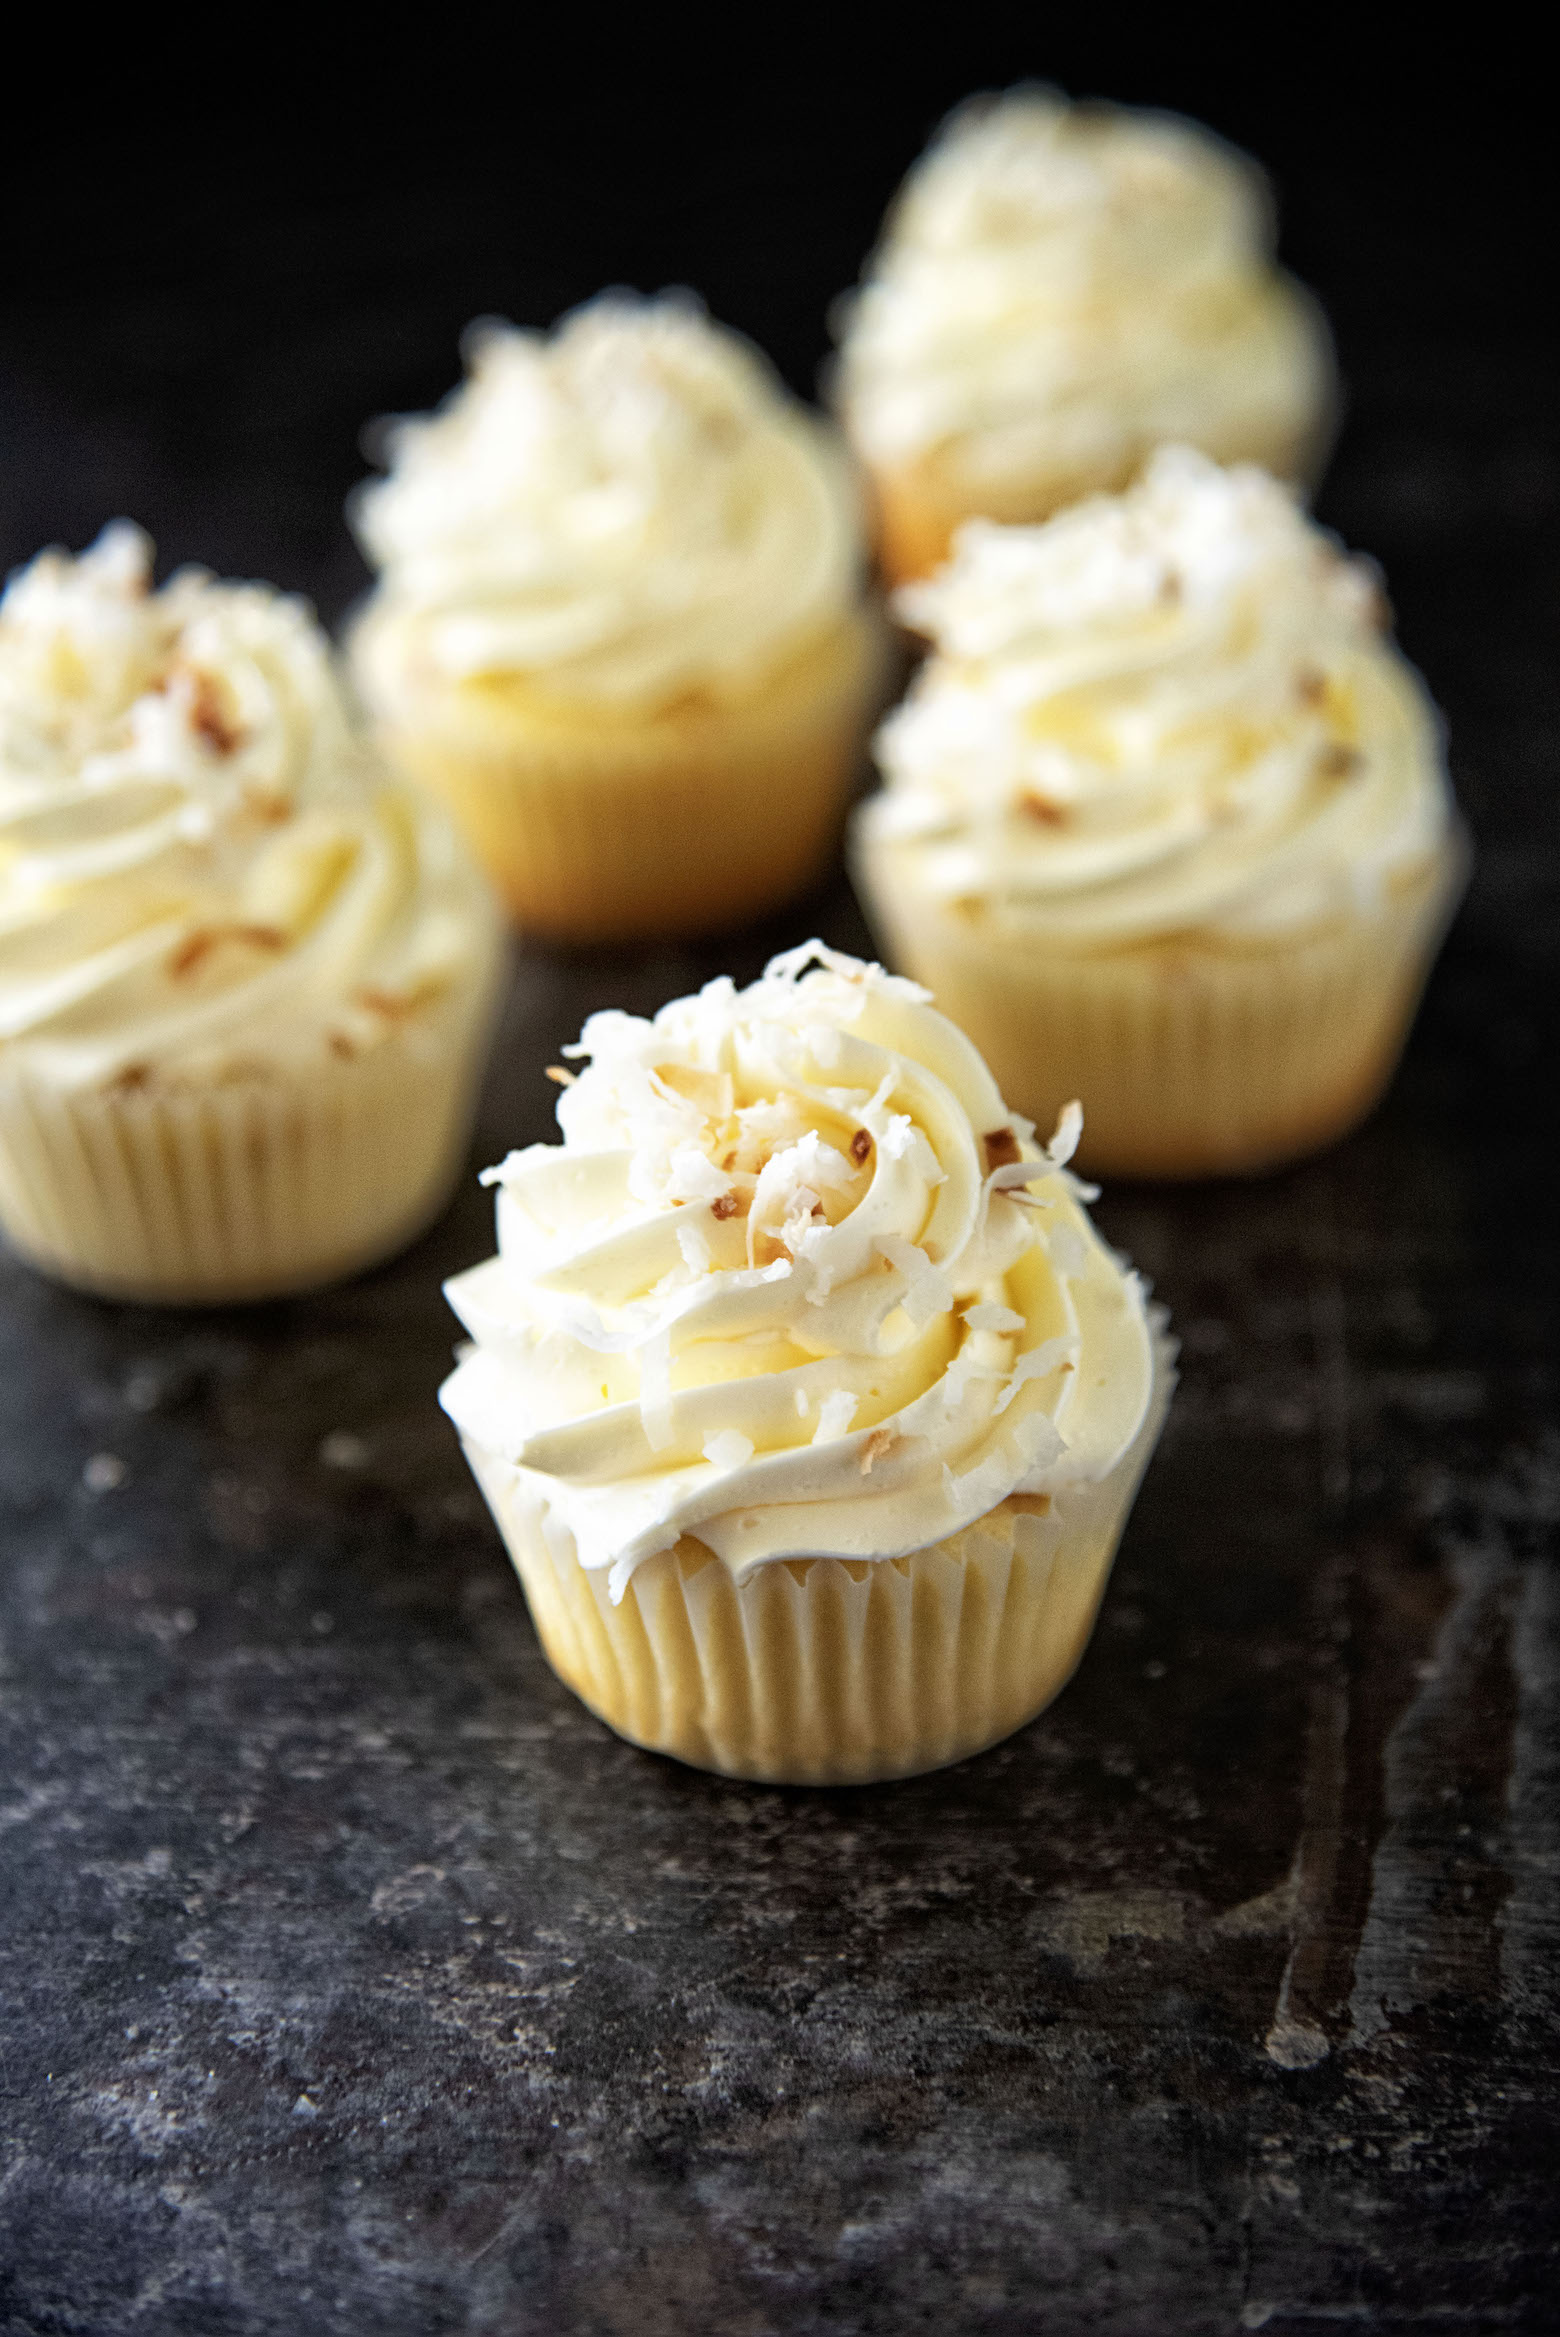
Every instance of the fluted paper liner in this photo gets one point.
(827, 1671)
(1190, 1059)
(249, 1189)
(678, 821)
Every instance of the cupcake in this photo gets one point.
(1167, 822)
(1060, 289)
(619, 627)
(806, 1398)
(245, 978)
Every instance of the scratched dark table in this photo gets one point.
(355, 1979)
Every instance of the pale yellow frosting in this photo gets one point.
(201, 870)
(625, 510)
(796, 1282)
(1062, 287)
(1165, 711)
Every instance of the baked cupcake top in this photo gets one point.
(201, 872)
(1061, 285)
(797, 1283)
(624, 511)
(1160, 711)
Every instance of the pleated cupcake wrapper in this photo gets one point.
(825, 1671)
(244, 1191)
(671, 829)
(1188, 1060)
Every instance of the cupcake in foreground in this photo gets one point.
(245, 979)
(1060, 289)
(804, 1394)
(620, 625)
(1167, 823)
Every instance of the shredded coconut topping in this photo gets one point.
(713, 1312)
(198, 858)
(1194, 679)
(1061, 287)
(627, 508)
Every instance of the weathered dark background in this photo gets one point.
(355, 1980)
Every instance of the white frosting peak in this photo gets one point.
(795, 1282)
(629, 508)
(1166, 709)
(199, 865)
(1060, 284)
(1186, 548)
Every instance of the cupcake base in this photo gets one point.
(602, 826)
(827, 1671)
(1190, 1058)
(249, 1189)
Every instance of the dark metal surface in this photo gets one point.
(356, 1980)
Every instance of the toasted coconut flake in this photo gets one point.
(560, 1077)
(209, 717)
(1042, 809)
(877, 1447)
(1001, 1148)
(861, 1147)
(265, 806)
(193, 951)
(396, 1005)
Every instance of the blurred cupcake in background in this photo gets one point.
(620, 626)
(1167, 825)
(1060, 289)
(246, 978)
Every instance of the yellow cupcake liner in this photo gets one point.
(1189, 1058)
(270, 1183)
(611, 827)
(827, 1671)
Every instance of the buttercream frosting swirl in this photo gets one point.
(1166, 710)
(796, 1283)
(623, 511)
(1061, 287)
(201, 870)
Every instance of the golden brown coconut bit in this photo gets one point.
(1001, 1148)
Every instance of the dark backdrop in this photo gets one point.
(210, 284)
(224, 259)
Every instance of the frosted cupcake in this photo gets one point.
(807, 1400)
(245, 978)
(620, 627)
(1059, 290)
(1167, 823)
